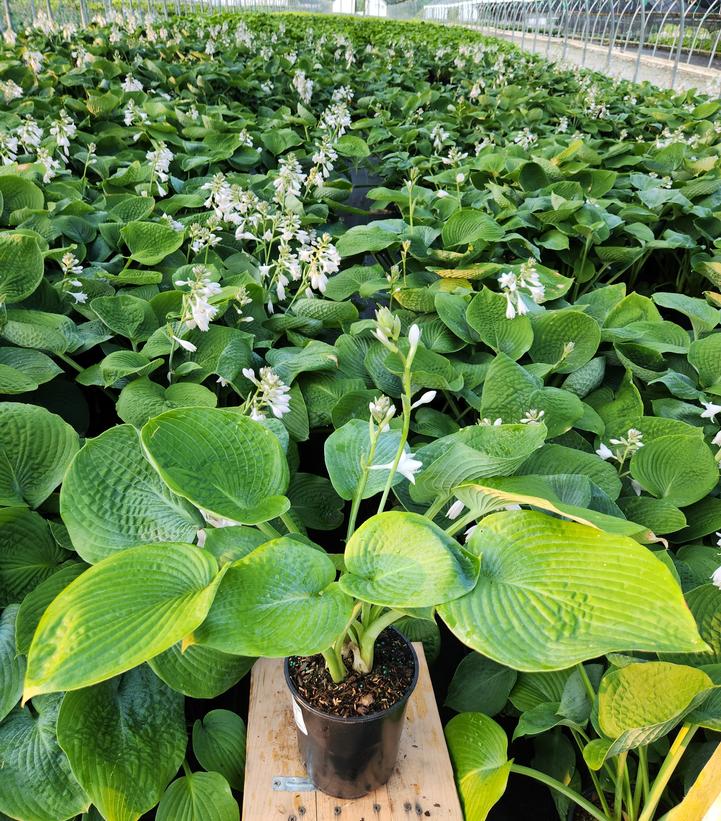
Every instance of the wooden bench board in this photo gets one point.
(421, 786)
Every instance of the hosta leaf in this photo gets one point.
(36, 447)
(221, 461)
(565, 339)
(705, 356)
(363, 238)
(479, 750)
(219, 745)
(21, 267)
(285, 596)
(703, 518)
(399, 559)
(151, 242)
(128, 608)
(28, 553)
(18, 192)
(126, 315)
(122, 364)
(33, 367)
(344, 451)
(36, 602)
(537, 492)
(657, 514)
(199, 672)
(705, 605)
(142, 399)
(486, 314)
(38, 329)
(12, 666)
(680, 469)
(112, 499)
(37, 783)
(473, 453)
(468, 225)
(480, 685)
(315, 501)
(565, 593)
(640, 703)
(125, 739)
(554, 459)
(198, 797)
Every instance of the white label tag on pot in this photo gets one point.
(298, 716)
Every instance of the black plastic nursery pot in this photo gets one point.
(350, 757)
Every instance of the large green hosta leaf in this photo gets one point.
(680, 469)
(21, 267)
(281, 599)
(552, 593)
(486, 314)
(112, 499)
(12, 666)
(473, 452)
(125, 739)
(642, 702)
(37, 783)
(151, 242)
(120, 613)
(219, 745)
(36, 447)
(221, 461)
(28, 553)
(479, 749)
(199, 672)
(401, 559)
(198, 797)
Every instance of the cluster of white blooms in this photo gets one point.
(131, 84)
(321, 259)
(176, 225)
(562, 126)
(71, 269)
(533, 416)
(34, 61)
(669, 137)
(382, 411)
(8, 148)
(204, 236)
(134, 115)
(198, 312)
(270, 393)
(525, 138)
(455, 157)
(160, 160)
(343, 94)
(624, 446)
(303, 86)
(476, 89)
(63, 130)
(10, 90)
(710, 410)
(438, 136)
(289, 179)
(29, 134)
(513, 285)
(49, 163)
(244, 137)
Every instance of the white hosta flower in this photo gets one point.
(414, 337)
(8, 148)
(131, 84)
(10, 90)
(605, 452)
(51, 165)
(455, 510)
(70, 264)
(198, 312)
(188, 346)
(469, 533)
(29, 134)
(382, 411)
(271, 393)
(424, 399)
(160, 160)
(134, 115)
(303, 86)
(63, 130)
(407, 466)
(718, 538)
(710, 410)
(491, 422)
(388, 328)
(636, 487)
(533, 416)
(34, 61)
(631, 442)
(172, 223)
(717, 440)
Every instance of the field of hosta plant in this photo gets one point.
(312, 326)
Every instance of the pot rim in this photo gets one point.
(359, 719)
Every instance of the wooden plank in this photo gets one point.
(421, 786)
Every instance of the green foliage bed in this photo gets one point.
(476, 284)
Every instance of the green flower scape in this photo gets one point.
(312, 325)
